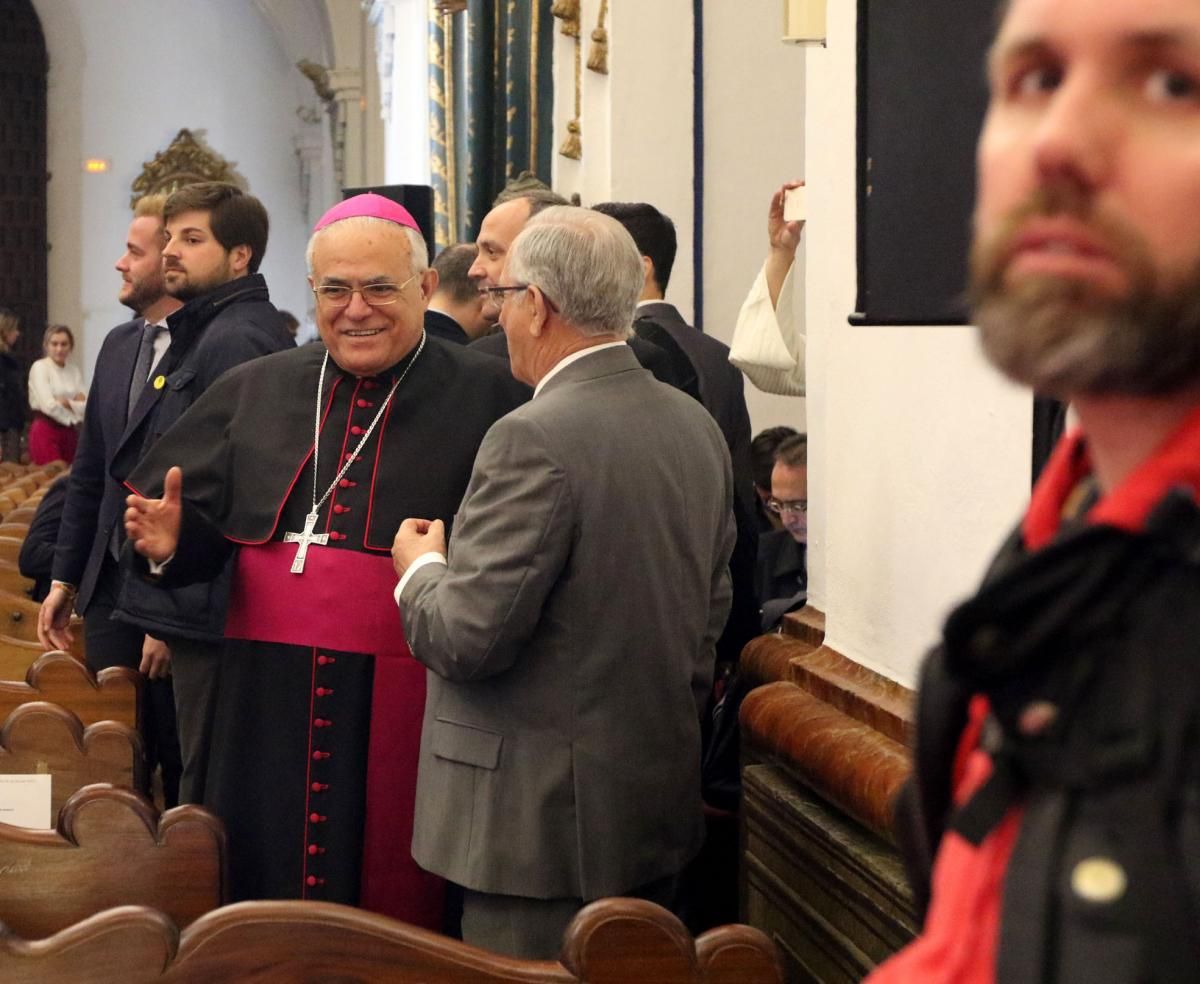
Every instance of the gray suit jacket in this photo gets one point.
(570, 641)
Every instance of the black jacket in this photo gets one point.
(12, 393)
(36, 559)
(1101, 626)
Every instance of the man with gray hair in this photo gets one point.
(307, 462)
(570, 630)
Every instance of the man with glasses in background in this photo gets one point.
(309, 461)
(781, 576)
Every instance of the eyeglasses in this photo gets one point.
(782, 506)
(496, 294)
(376, 295)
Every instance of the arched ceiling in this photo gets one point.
(302, 27)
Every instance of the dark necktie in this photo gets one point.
(141, 368)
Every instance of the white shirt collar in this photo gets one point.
(573, 357)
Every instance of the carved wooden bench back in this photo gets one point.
(111, 848)
(39, 738)
(613, 941)
(111, 695)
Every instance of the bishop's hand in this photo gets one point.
(152, 525)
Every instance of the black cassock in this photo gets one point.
(319, 703)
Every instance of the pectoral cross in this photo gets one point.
(304, 539)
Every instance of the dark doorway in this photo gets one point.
(23, 67)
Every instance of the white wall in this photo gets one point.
(919, 453)
(753, 142)
(125, 77)
(637, 120)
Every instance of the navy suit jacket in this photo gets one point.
(95, 502)
(441, 325)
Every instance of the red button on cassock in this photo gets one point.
(364, 404)
(316, 818)
(319, 787)
(312, 880)
(345, 483)
(313, 849)
(356, 430)
(339, 509)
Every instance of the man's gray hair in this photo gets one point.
(420, 252)
(585, 263)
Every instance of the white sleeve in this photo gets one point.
(41, 394)
(768, 345)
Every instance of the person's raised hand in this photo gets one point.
(152, 525)
(782, 235)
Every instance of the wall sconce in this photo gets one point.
(804, 22)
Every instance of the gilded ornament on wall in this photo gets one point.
(186, 161)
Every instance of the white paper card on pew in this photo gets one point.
(25, 801)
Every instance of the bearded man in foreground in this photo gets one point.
(1053, 828)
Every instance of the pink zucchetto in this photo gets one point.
(369, 204)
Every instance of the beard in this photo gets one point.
(197, 286)
(140, 294)
(1063, 337)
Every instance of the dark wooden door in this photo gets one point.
(23, 67)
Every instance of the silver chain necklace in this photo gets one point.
(308, 537)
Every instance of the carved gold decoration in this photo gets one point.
(572, 147)
(186, 161)
(450, 6)
(568, 12)
(598, 56)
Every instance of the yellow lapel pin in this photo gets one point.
(160, 382)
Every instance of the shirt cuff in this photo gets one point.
(433, 557)
(156, 568)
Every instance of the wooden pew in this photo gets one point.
(111, 848)
(610, 941)
(17, 530)
(38, 738)
(10, 547)
(111, 695)
(12, 580)
(17, 656)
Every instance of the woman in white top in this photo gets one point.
(56, 395)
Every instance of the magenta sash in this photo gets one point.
(343, 601)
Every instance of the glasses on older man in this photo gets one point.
(497, 294)
(376, 295)
(782, 506)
